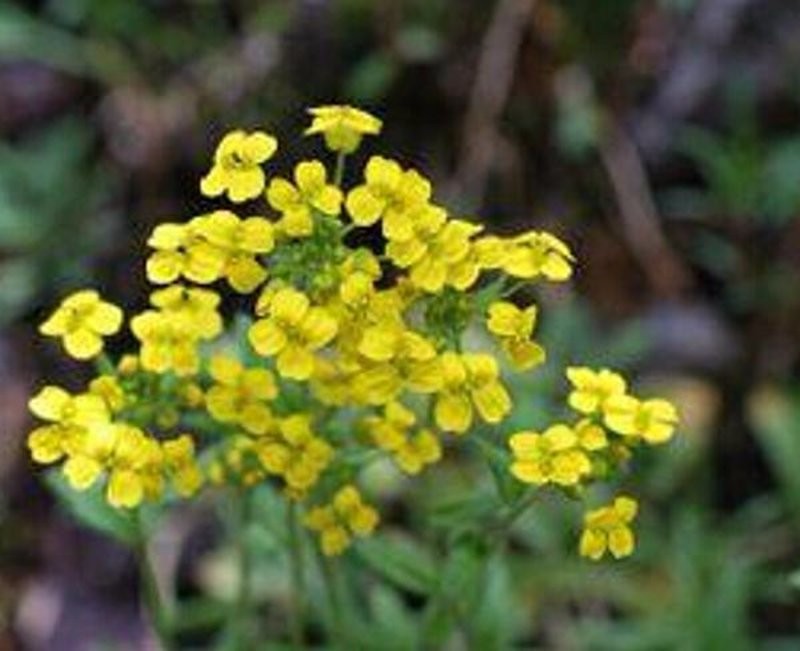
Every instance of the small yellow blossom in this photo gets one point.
(194, 307)
(553, 456)
(470, 379)
(67, 417)
(435, 246)
(292, 450)
(178, 252)
(346, 516)
(136, 468)
(592, 389)
(590, 435)
(342, 126)
(81, 321)
(111, 391)
(653, 420)
(167, 344)
(608, 529)
(390, 432)
(297, 202)
(237, 165)
(396, 358)
(390, 194)
(513, 328)
(181, 464)
(231, 245)
(293, 330)
(239, 394)
(537, 254)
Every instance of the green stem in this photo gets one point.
(104, 365)
(338, 174)
(338, 631)
(240, 617)
(153, 600)
(297, 614)
(513, 288)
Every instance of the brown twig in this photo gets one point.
(490, 90)
(641, 225)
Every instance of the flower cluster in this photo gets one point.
(345, 350)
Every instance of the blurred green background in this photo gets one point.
(661, 138)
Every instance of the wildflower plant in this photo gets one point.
(348, 356)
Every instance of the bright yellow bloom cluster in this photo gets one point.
(81, 431)
(346, 516)
(211, 247)
(344, 354)
(610, 425)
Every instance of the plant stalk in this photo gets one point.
(153, 601)
(297, 569)
(240, 617)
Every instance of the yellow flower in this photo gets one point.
(181, 464)
(592, 389)
(236, 169)
(346, 516)
(390, 194)
(240, 394)
(395, 358)
(514, 328)
(108, 388)
(590, 435)
(297, 203)
(135, 468)
(652, 420)
(538, 254)
(290, 449)
(608, 529)
(390, 432)
(166, 343)
(55, 405)
(180, 251)
(470, 379)
(90, 454)
(553, 456)
(434, 247)
(232, 244)
(81, 321)
(195, 308)
(293, 331)
(342, 126)
(68, 417)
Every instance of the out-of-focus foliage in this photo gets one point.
(106, 106)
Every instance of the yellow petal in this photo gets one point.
(83, 344)
(453, 412)
(295, 362)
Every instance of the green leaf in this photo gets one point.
(392, 618)
(776, 420)
(91, 509)
(494, 622)
(401, 562)
(458, 594)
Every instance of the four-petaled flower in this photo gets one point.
(81, 321)
(608, 529)
(293, 330)
(342, 126)
(237, 166)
